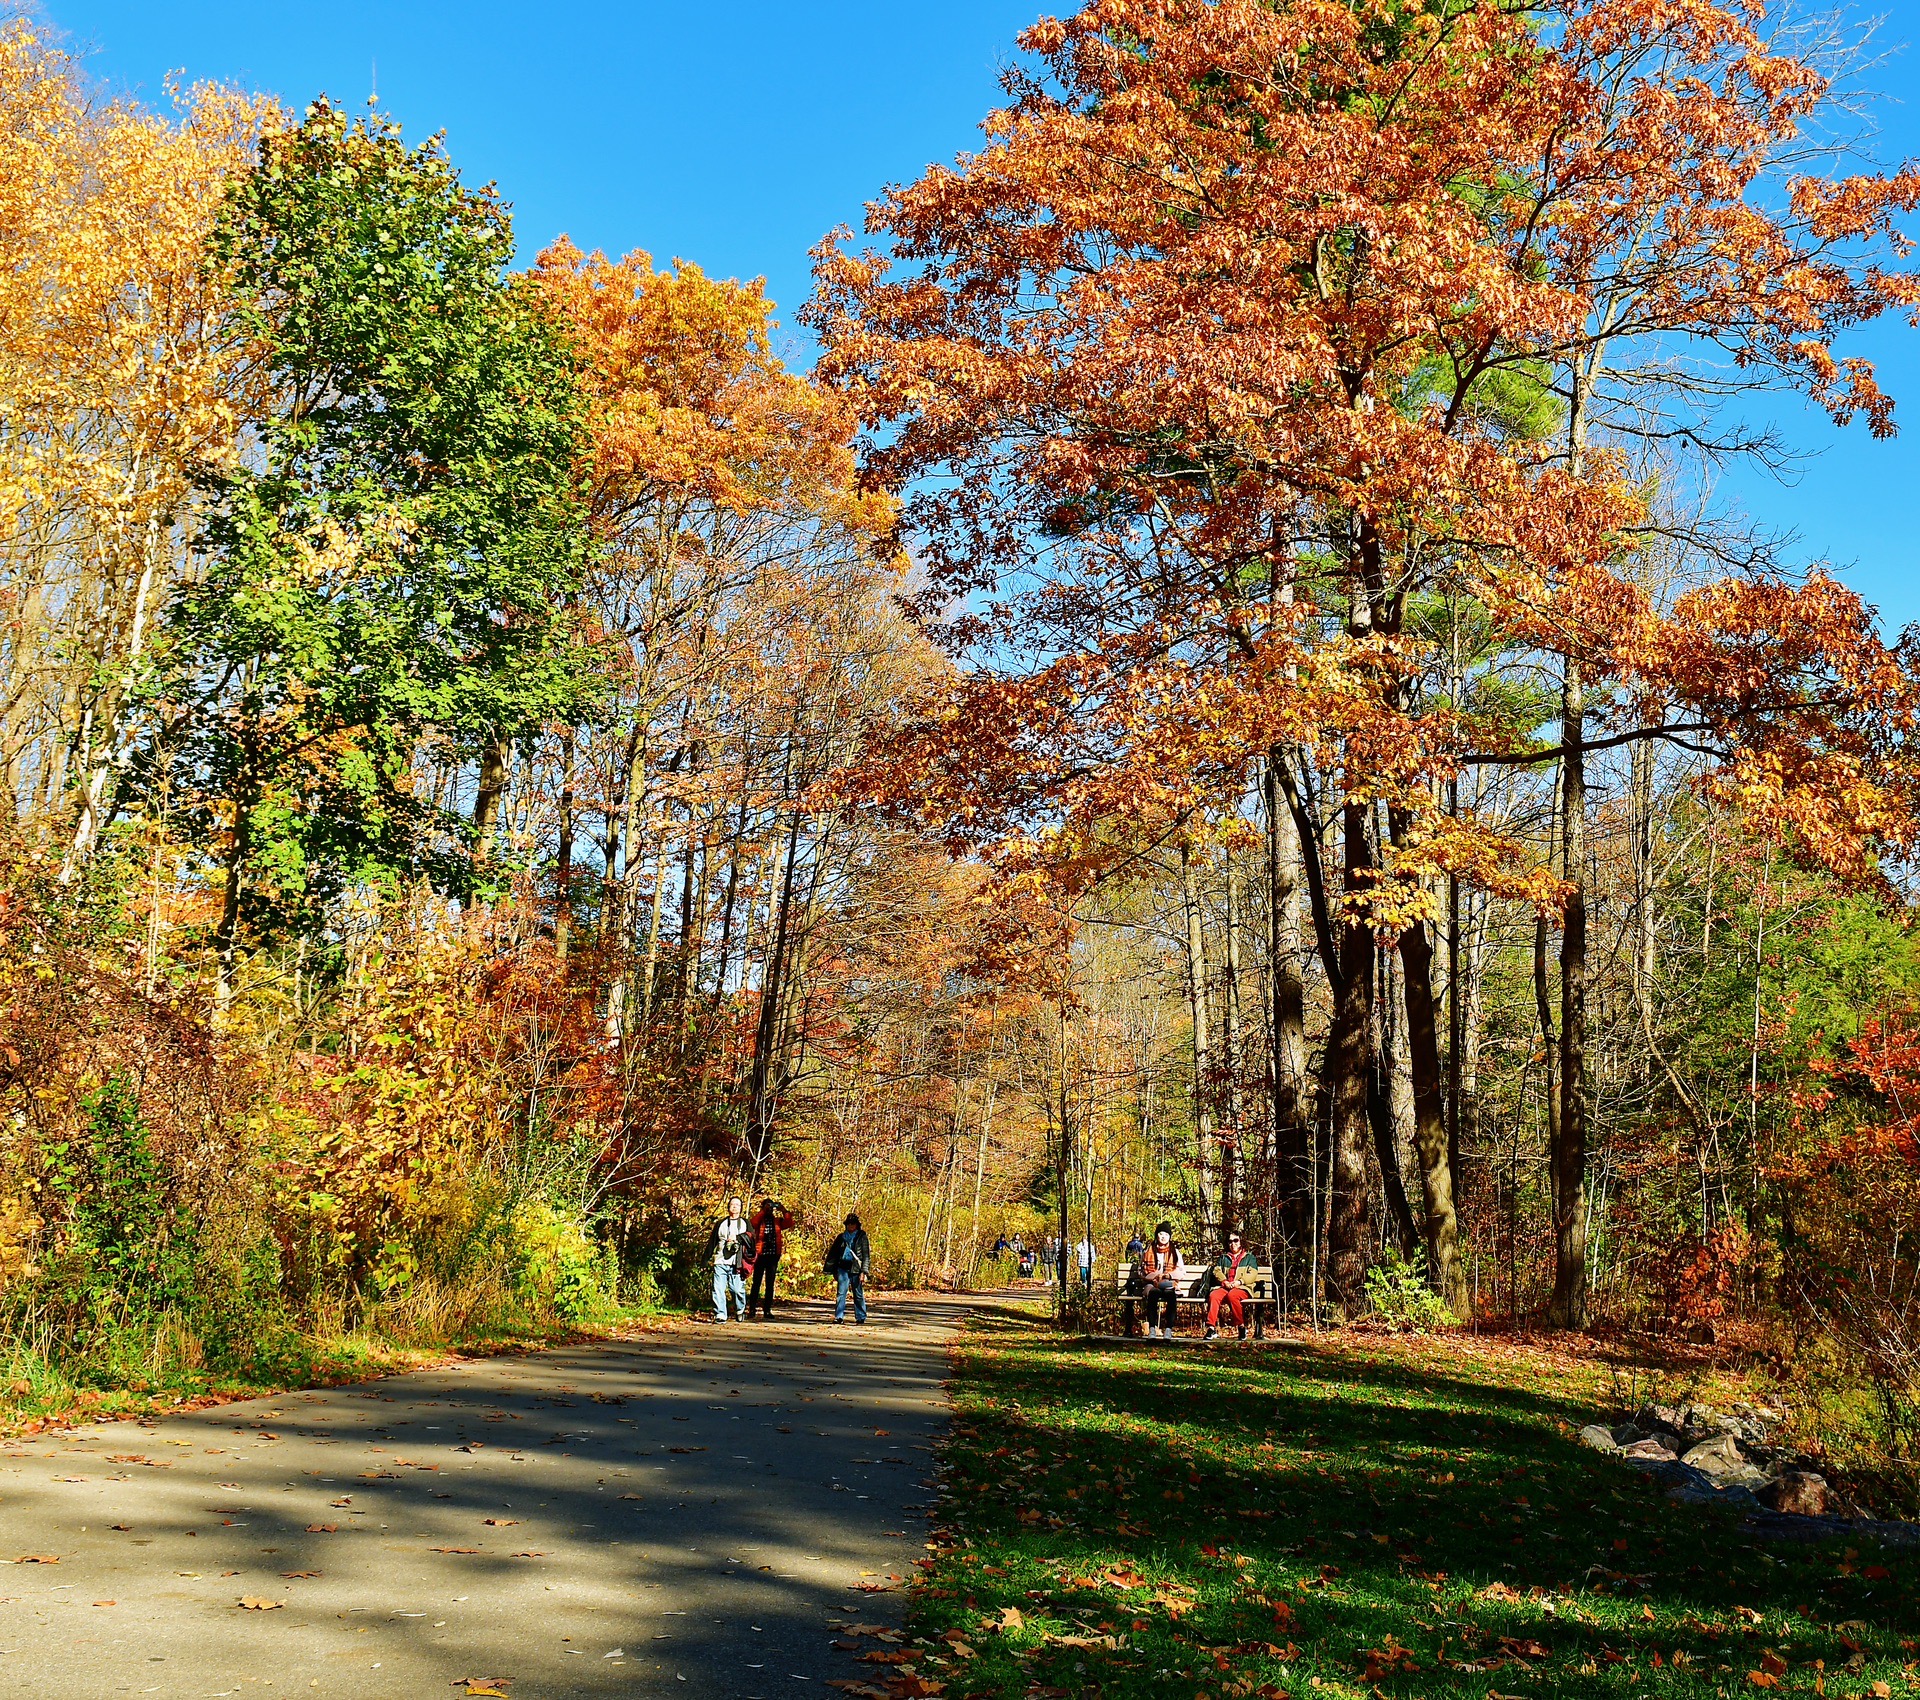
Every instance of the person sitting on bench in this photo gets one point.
(1226, 1285)
(1158, 1276)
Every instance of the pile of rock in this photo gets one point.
(1722, 1455)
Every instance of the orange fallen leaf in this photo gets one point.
(253, 1602)
(322, 1528)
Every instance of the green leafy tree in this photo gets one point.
(394, 549)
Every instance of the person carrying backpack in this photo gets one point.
(767, 1240)
(730, 1245)
(848, 1260)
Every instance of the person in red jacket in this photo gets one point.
(766, 1240)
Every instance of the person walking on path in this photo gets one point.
(1227, 1284)
(729, 1244)
(1083, 1254)
(765, 1243)
(1158, 1275)
(848, 1260)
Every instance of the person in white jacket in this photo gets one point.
(729, 1241)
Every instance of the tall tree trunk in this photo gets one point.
(1230, 1142)
(763, 1088)
(1568, 1308)
(226, 938)
(486, 797)
(1445, 1270)
(563, 859)
(1288, 1017)
(1197, 1008)
(1384, 1105)
(1349, 1062)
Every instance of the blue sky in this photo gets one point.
(737, 132)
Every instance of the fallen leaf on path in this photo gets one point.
(253, 1602)
(322, 1528)
(686, 1449)
(540, 1554)
(453, 1549)
(106, 1602)
(36, 1558)
(504, 1522)
(344, 1499)
(865, 1689)
(299, 1575)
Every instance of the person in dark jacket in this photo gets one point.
(848, 1260)
(1158, 1275)
(766, 1240)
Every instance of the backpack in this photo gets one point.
(836, 1256)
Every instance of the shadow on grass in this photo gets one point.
(1255, 1520)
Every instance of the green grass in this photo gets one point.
(1353, 1518)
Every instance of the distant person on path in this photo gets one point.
(1135, 1247)
(848, 1260)
(729, 1243)
(1000, 1246)
(766, 1242)
(1084, 1255)
(1158, 1275)
(1226, 1284)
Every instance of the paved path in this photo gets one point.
(682, 1514)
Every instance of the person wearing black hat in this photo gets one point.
(848, 1260)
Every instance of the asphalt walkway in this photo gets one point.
(692, 1514)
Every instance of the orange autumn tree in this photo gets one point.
(1239, 343)
(121, 375)
(740, 589)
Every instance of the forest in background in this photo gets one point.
(1226, 694)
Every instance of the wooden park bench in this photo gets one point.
(1262, 1300)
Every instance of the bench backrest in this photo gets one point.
(1193, 1281)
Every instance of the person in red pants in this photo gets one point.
(1228, 1286)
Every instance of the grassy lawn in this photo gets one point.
(1347, 1518)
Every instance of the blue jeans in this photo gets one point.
(848, 1281)
(727, 1281)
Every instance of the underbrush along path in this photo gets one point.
(682, 1513)
(1351, 1517)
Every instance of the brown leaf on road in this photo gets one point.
(299, 1575)
(453, 1549)
(500, 1522)
(253, 1602)
(322, 1528)
(36, 1558)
